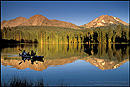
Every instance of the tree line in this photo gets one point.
(49, 34)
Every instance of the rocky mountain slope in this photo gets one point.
(102, 64)
(104, 20)
(37, 20)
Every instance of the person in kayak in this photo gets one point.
(24, 53)
(32, 53)
(28, 54)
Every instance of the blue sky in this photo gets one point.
(77, 12)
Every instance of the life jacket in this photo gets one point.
(24, 54)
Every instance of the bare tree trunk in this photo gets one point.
(41, 38)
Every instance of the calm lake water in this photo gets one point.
(72, 64)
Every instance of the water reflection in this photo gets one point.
(103, 56)
(88, 51)
(33, 60)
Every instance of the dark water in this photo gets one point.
(72, 64)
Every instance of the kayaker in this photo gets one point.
(28, 54)
(24, 53)
(32, 53)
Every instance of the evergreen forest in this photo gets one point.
(61, 35)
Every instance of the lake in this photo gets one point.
(72, 64)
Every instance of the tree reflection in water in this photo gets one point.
(103, 56)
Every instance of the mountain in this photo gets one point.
(40, 66)
(37, 20)
(105, 64)
(102, 64)
(104, 20)
(58, 23)
(13, 22)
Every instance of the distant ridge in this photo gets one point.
(39, 20)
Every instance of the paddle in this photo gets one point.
(20, 49)
(20, 62)
(35, 51)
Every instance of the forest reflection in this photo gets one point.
(103, 56)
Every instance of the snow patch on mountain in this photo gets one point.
(111, 22)
(103, 21)
(100, 24)
(116, 19)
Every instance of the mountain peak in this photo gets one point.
(20, 18)
(104, 15)
(38, 15)
(40, 20)
(4, 21)
(104, 20)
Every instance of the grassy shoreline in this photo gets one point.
(19, 82)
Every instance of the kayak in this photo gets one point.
(30, 56)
